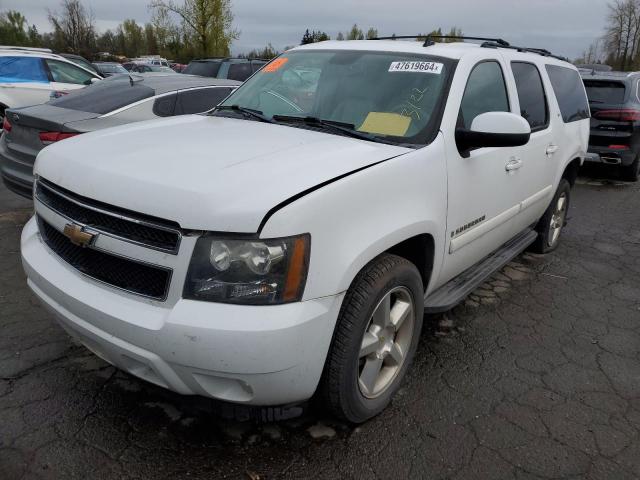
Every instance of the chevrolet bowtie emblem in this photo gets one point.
(77, 235)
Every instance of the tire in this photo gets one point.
(630, 173)
(549, 237)
(360, 343)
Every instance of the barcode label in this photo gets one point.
(422, 67)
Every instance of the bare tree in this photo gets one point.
(209, 21)
(622, 34)
(75, 27)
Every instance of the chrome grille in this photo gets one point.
(137, 228)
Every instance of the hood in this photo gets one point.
(203, 172)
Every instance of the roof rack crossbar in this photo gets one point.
(539, 51)
(428, 39)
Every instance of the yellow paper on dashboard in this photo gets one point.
(384, 123)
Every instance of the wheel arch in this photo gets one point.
(419, 250)
(570, 172)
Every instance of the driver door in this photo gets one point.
(483, 185)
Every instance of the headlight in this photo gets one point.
(249, 272)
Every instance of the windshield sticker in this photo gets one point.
(421, 67)
(275, 65)
(384, 123)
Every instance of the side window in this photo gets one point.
(22, 69)
(66, 73)
(255, 66)
(200, 100)
(533, 101)
(569, 90)
(165, 106)
(486, 91)
(239, 71)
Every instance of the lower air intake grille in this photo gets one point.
(119, 272)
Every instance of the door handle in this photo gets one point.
(551, 149)
(514, 164)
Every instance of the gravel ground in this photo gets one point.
(537, 375)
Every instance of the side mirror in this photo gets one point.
(493, 129)
(95, 80)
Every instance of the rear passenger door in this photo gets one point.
(535, 176)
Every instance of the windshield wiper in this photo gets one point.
(249, 112)
(347, 128)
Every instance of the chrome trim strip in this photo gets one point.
(39, 219)
(173, 251)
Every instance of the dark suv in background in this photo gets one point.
(615, 119)
(230, 68)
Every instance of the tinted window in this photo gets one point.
(239, 71)
(165, 106)
(485, 92)
(66, 73)
(569, 91)
(255, 66)
(104, 96)
(599, 91)
(22, 69)
(533, 104)
(200, 100)
(204, 69)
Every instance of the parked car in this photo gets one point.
(615, 120)
(116, 101)
(81, 61)
(273, 249)
(232, 68)
(106, 69)
(142, 67)
(30, 76)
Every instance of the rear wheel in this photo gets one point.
(632, 172)
(553, 221)
(375, 339)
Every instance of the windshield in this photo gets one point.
(395, 96)
(112, 68)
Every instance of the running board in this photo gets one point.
(452, 293)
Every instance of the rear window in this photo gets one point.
(239, 71)
(22, 69)
(609, 92)
(200, 99)
(569, 91)
(204, 69)
(104, 96)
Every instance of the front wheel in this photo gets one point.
(375, 339)
(553, 221)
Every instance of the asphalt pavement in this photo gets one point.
(536, 376)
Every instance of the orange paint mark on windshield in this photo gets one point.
(275, 65)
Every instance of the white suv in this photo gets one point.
(288, 242)
(31, 76)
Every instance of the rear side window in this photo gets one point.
(533, 102)
(204, 69)
(569, 90)
(104, 97)
(255, 66)
(22, 69)
(599, 91)
(200, 100)
(239, 71)
(66, 73)
(165, 106)
(485, 92)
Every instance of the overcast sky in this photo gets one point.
(565, 27)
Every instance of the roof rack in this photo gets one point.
(428, 39)
(539, 51)
(26, 49)
(487, 43)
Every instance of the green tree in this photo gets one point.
(306, 38)
(150, 39)
(133, 36)
(12, 29)
(209, 22)
(372, 33)
(33, 36)
(355, 33)
(340, 36)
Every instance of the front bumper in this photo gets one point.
(609, 156)
(253, 355)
